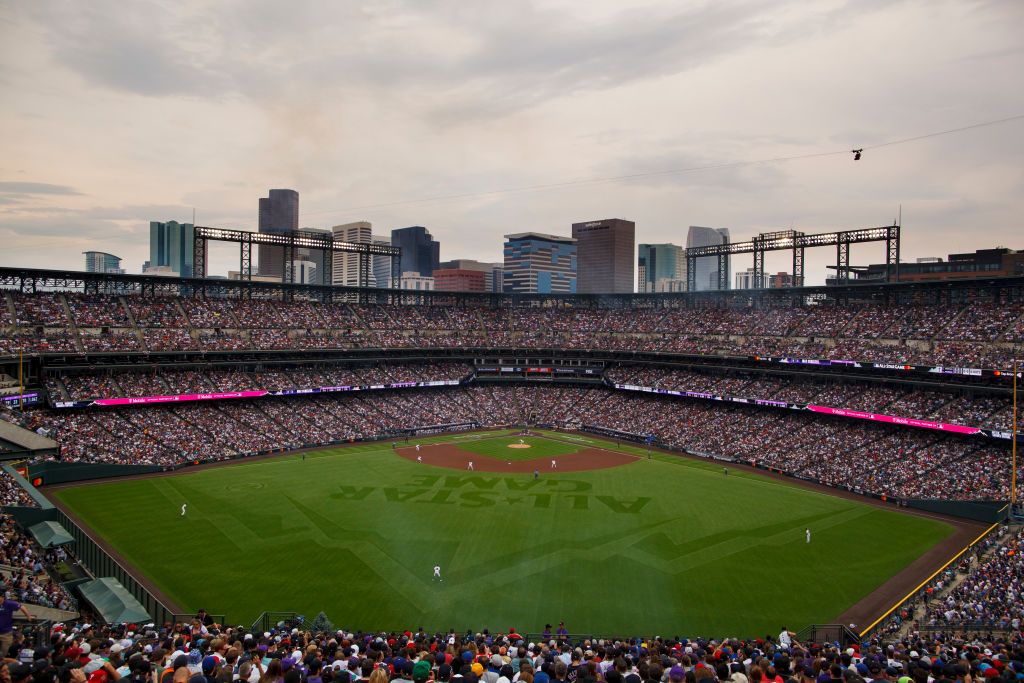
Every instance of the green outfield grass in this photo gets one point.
(667, 545)
(499, 447)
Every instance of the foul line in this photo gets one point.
(922, 584)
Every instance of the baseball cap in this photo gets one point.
(421, 671)
(19, 671)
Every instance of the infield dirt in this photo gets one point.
(449, 455)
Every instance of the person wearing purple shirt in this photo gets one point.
(7, 610)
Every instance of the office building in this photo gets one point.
(421, 253)
(300, 272)
(279, 212)
(659, 262)
(667, 284)
(416, 282)
(536, 262)
(102, 262)
(170, 245)
(747, 279)
(460, 280)
(346, 265)
(780, 280)
(604, 256)
(492, 271)
(381, 265)
(706, 270)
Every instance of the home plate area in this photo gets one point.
(450, 455)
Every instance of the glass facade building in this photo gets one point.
(535, 262)
(706, 277)
(659, 262)
(421, 253)
(279, 212)
(604, 256)
(170, 245)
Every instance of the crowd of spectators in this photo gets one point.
(860, 456)
(12, 494)
(165, 382)
(977, 333)
(291, 651)
(26, 567)
(991, 593)
(991, 412)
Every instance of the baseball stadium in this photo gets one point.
(706, 465)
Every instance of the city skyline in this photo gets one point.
(515, 96)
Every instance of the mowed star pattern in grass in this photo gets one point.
(662, 545)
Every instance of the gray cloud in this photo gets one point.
(209, 103)
(24, 189)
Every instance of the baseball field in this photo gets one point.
(544, 529)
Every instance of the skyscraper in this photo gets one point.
(421, 253)
(346, 265)
(659, 262)
(102, 262)
(381, 265)
(535, 262)
(170, 245)
(604, 256)
(706, 276)
(279, 212)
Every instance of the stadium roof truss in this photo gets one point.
(797, 242)
(289, 242)
(995, 289)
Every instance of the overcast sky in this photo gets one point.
(114, 114)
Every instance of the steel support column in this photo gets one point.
(892, 254)
(327, 277)
(759, 282)
(842, 262)
(245, 259)
(364, 269)
(288, 255)
(798, 266)
(723, 272)
(691, 274)
(199, 257)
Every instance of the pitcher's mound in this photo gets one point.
(519, 445)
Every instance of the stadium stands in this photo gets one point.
(295, 652)
(28, 575)
(974, 334)
(863, 457)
